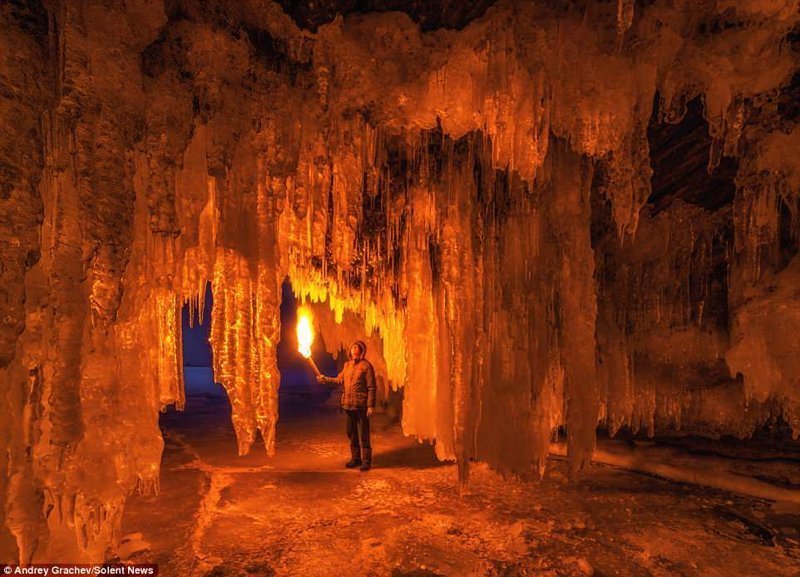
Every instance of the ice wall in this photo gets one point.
(473, 203)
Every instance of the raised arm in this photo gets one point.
(337, 380)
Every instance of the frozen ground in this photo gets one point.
(303, 514)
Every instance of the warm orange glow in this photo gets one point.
(305, 332)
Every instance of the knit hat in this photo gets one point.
(361, 345)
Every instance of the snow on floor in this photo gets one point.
(302, 513)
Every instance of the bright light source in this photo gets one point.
(305, 331)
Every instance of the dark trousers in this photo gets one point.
(358, 433)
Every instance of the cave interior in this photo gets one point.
(566, 230)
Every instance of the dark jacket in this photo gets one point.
(358, 380)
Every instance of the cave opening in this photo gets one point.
(300, 396)
(205, 413)
(198, 374)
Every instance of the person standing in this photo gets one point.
(358, 401)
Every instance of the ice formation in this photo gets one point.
(471, 201)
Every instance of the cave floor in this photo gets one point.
(302, 513)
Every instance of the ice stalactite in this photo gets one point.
(625, 13)
(245, 319)
(26, 95)
(267, 319)
(26, 85)
(424, 393)
(522, 401)
(245, 330)
(615, 373)
(767, 182)
(664, 292)
(764, 274)
(570, 211)
(765, 359)
(70, 342)
(346, 189)
(232, 327)
(472, 202)
(461, 278)
(629, 175)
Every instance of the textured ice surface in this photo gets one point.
(471, 203)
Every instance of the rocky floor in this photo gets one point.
(302, 513)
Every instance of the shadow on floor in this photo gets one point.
(420, 456)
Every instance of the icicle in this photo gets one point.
(625, 13)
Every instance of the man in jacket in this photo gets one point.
(358, 401)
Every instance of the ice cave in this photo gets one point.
(532, 266)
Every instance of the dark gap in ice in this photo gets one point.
(679, 155)
(198, 375)
(299, 391)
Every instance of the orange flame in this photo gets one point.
(305, 331)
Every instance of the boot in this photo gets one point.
(366, 455)
(355, 459)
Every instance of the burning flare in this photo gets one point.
(305, 332)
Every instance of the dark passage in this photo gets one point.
(298, 387)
